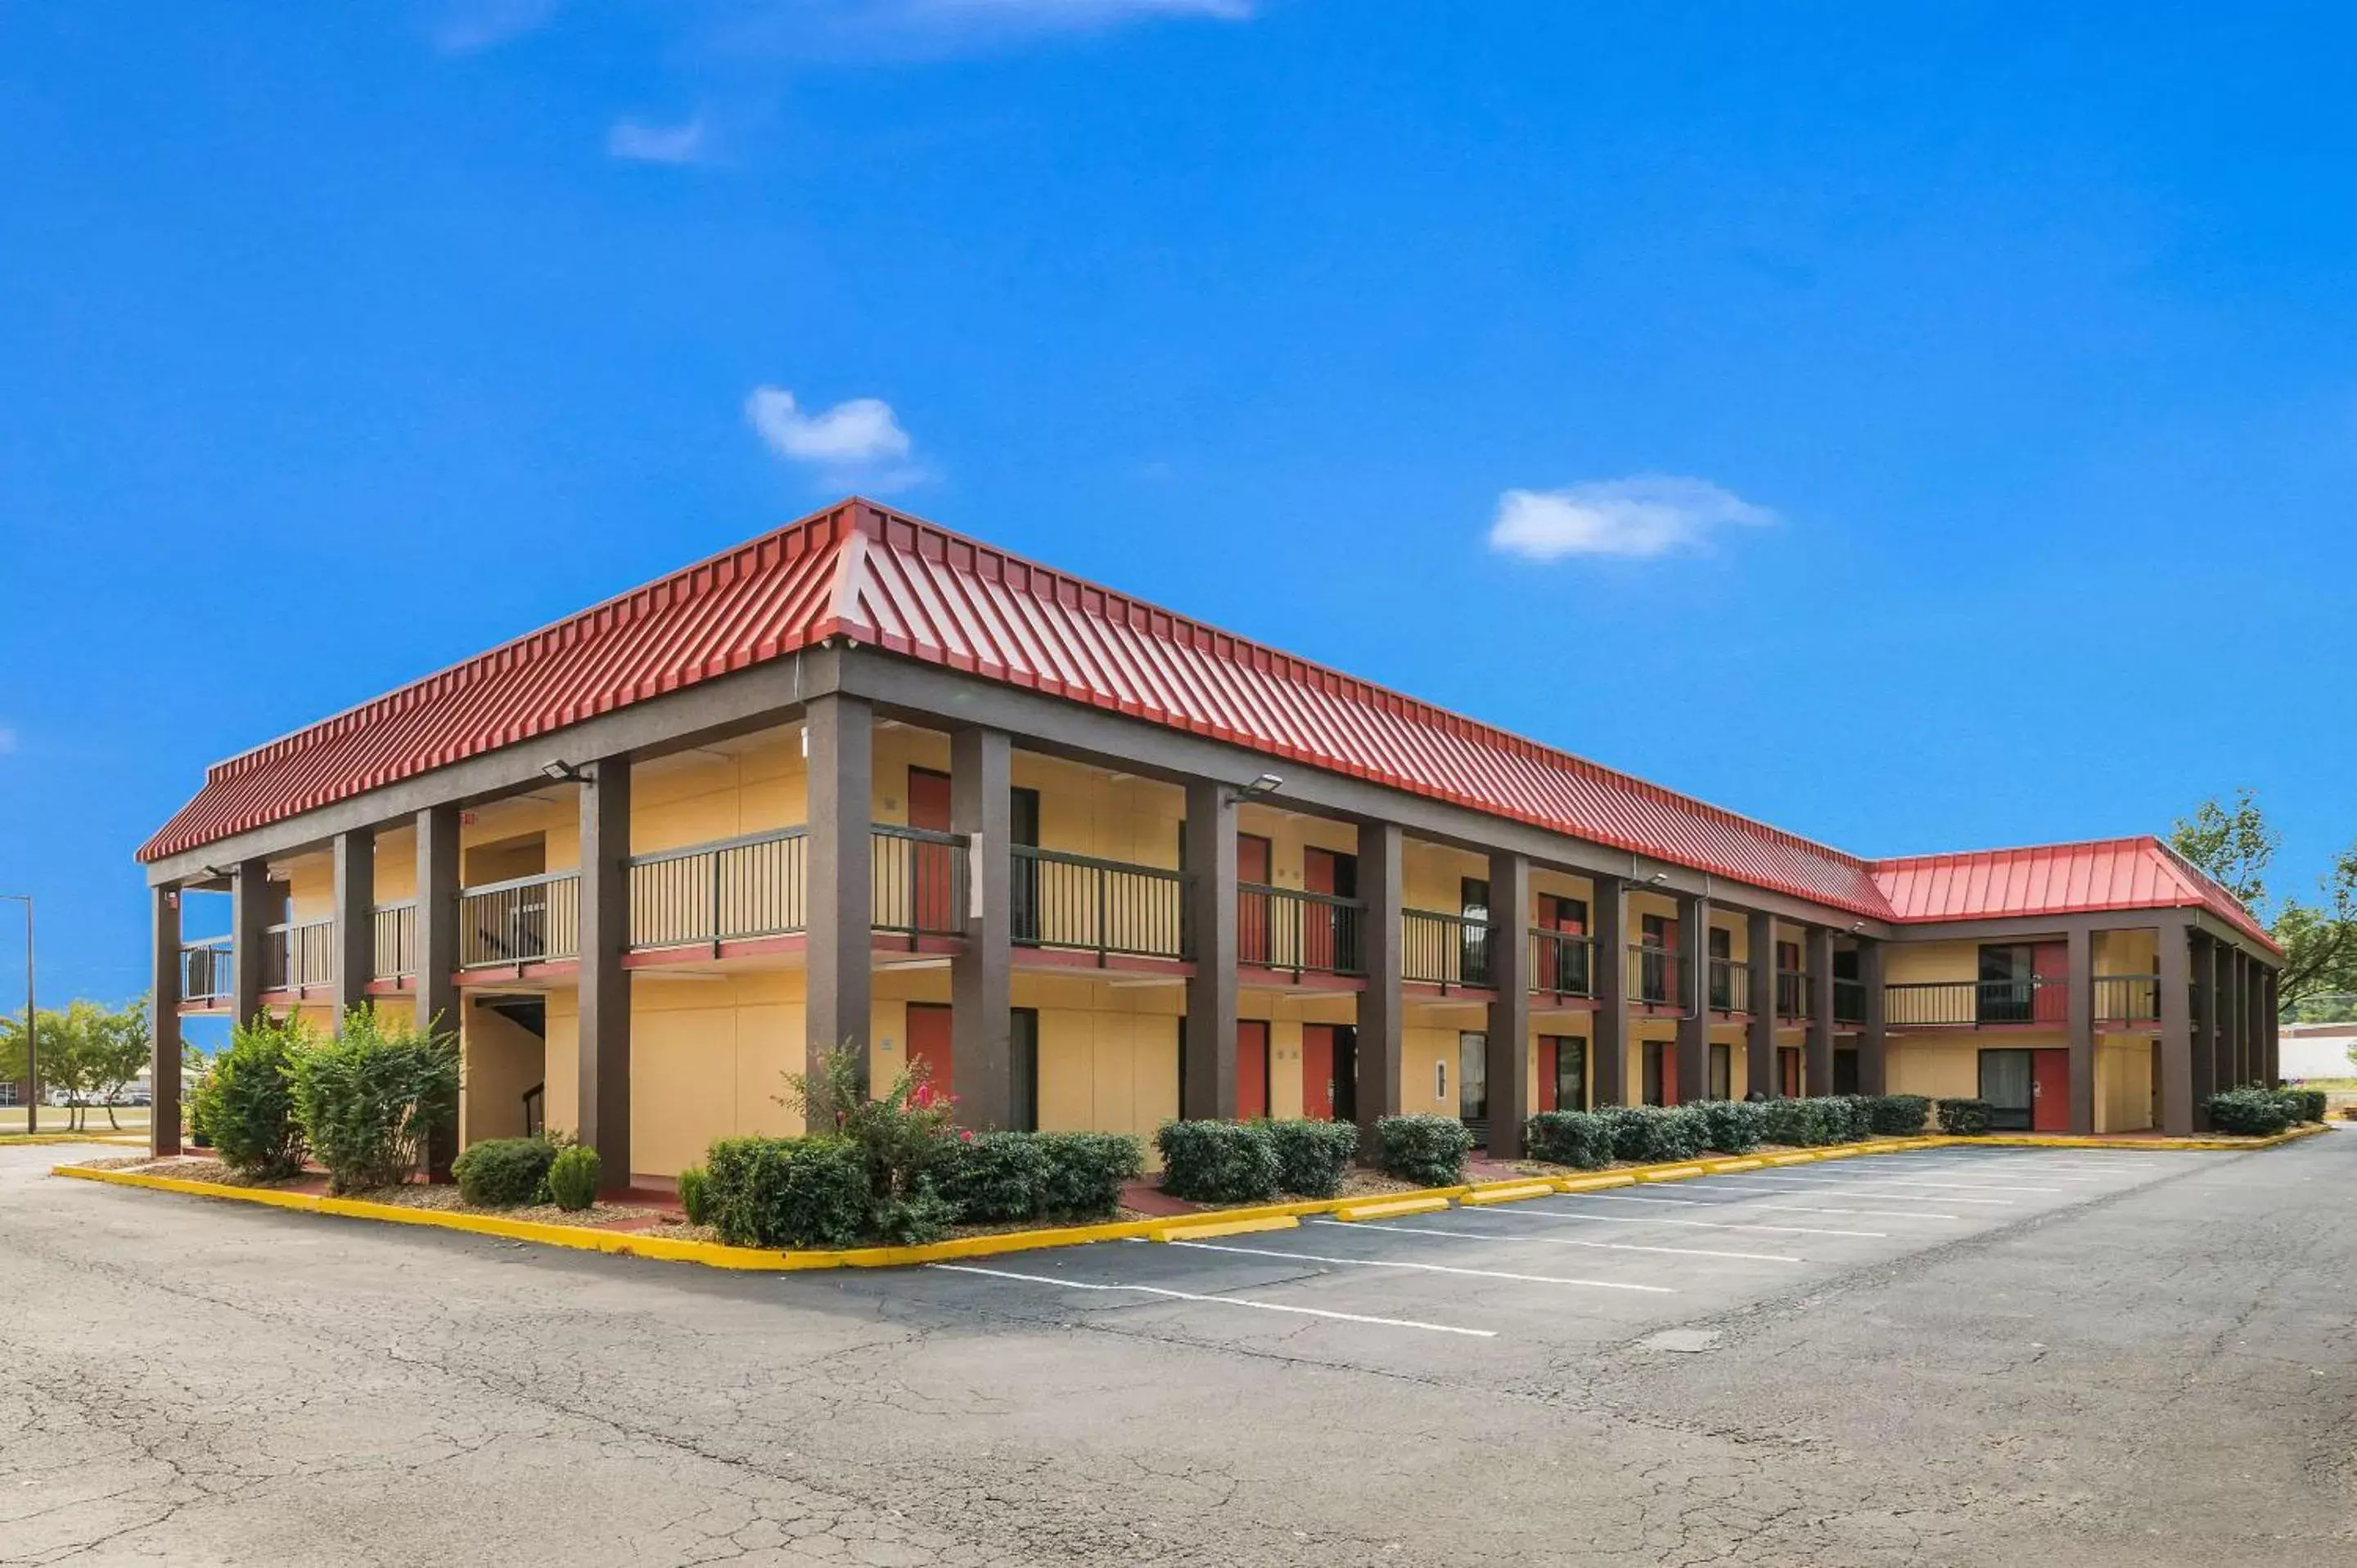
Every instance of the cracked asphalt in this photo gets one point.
(1956, 1357)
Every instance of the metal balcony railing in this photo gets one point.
(298, 956)
(1443, 950)
(2127, 998)
(730, 890)
(530, 919)
(1656, 975)
(1280, 927)
(1075, 903)
(1849, 1001)
(1562, 963)
(208, 970)
(1963, 1004)
(1797, 994)
(918, 882)
(393, 931)
(1730, 985)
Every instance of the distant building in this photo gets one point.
(2318, 1050)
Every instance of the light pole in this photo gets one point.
(32, 1021)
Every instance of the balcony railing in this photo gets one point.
(1073, 903)
(1279, 927)
(1447, 951)
(1849, 1001)
(1797, 994)
(733, 890)
(1562, 963)
(918, 882)
(1731, 986)
(1966, 1003)
(531, 920)
(394, 927)
(208, 970)
(298, 956)
(1656, 975)
(2127, 998)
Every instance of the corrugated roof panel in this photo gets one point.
(2139, 872)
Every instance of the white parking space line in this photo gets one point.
(1560, 1216)
(1779, 1207)
(1864, 1179)
(1793, 1189)
(1221, 1301)
(1387, 1228)
(1425, 1268)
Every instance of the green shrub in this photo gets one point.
(1898, 1115)
(370, 1098)
(2312, 1103)
(788, 1192)
(573, 1179)
(1576, 1138)
(911, 1218)
(996, 1178)
(1653, 1134)
(1218, 1162)
(505, 1173)
(1849, 1117)
(2251, 1112)
(1429, 1150)
(904, 1137)
(1311, 1156)
(246, 1106)
(1086, 1172)
(695, 1196)
(1965, 1118)
(1796, 1123)
(1731, 1126)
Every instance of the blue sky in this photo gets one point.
(1922, 427)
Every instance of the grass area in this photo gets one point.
(2328, 1083)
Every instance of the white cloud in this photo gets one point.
(1642, 516)
(638, 141)
(466, 26)
(856, 440)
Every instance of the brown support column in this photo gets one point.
(2205, 1025)
(1874, 1034)
(2232, 1070)
(1759, 1000)
(1381, 1013)
(838, 735)
(1609, 1057)
(605, 985)
(353, 856)
(163, 1022)
(982, 974)
(1817, 1054)
(2270, 1027)
(252, 904)
(2246, 1016)
(1510, 1014)
(2177, 1097)
(2081, 1014)
(1693, 998)
(1206, 1086)
(437, 980)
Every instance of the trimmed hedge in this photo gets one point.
(2311, 1103)
(1732, 1125)
(573, 1177)
(1898, 1115)
(1576, 1138)
(996, 1178)
(1429, 1150)
(1218, 1162)
(2253, 1113)
(695, 1196)
(506, 1173)
(1655, 1134)
(1086, 1171)
(788, 1192)
(1965, 1118)
(1311, 1156)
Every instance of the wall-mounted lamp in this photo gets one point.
(1266, 784)
(212, 870)
(1659, 879)
(563, 773)
(1855, 927)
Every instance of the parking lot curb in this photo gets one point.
(1394, 1207)
(1509, 1192)
(35, 1140)
(1669, 1173)
(1598, 1183)
(1197, 1230)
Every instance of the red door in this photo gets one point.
(1318, 876)
(1546, 1072)
(1788, 1071)
(2049, 1091)
(929, 880)
(1251, 908)
(1251, 1067)
(2050, 968)
(1317, 1072)
(929, 1044)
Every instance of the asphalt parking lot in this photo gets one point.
(1952, 1357)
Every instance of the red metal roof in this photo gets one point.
(2055, 879)
(889, 581)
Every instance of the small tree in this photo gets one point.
(89, 1049)
(371, 1099)
(244, 1105)
(2235, 847)
(904, 1137)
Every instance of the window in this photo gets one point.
(1722, 1072)
(1023, 1051)
(1722, 970)
(2006, 987)
(1654, 964)
(1474, 905)
(1473, 1076)
(1570, 1073)
(1023, 831)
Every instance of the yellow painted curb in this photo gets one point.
(1669, 1173)
(1507, 1192)
(1596, 1183)
(1194, 1230)
(36, 1140)
(1728, 1168)
(1839, 1152)
(1798, 1157)
(1390, 1207)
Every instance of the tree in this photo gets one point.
(2237, 847)
(89, 1050)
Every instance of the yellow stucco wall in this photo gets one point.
(2124, 1079)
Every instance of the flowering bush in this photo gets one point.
(905, 1138)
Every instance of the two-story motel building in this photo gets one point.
(863, 780)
